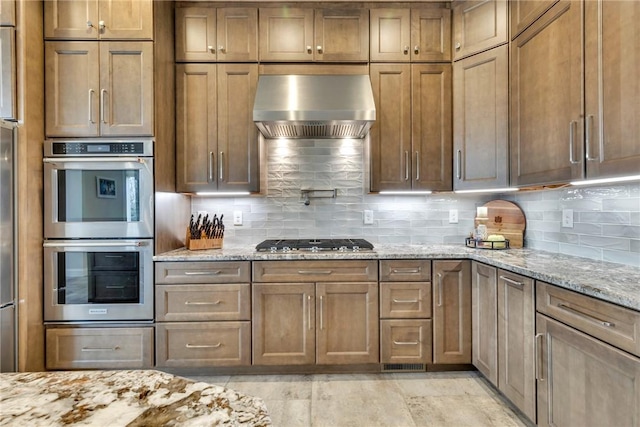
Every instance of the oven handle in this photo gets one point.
(94, 159)
(93, 244)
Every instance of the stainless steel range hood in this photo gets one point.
(314, 106)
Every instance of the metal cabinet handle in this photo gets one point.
(406, 342)
(315, 271)
(309, 49)
(512, 282)
(94, 244)
(406, 166)
(114, 287)
(439, 289)
(458, 46)
(321, 316)
(89, 24)
(309, 312)
(212, 161)
(319, 49)
(579, 313)
(405, 301)
(91, 92)
(202, 273)
(101, 25)
(202, 302)
(416, 49)
(221, 49)
(211, 49)
(539, 355)
(572, 125)
(417, 166)
(406, 270)
(102, 107)
(459, 164)
(203, 345)
(221, 166)
(588, 138)
(88, 349)
(406, 50)
(114, 256)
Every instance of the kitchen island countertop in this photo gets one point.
(616, 283)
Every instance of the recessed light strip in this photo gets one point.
(228, 194)
(607, 180)
(487, 190)
(404, 193)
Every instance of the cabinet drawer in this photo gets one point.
(613, 324)
(405, 341)
(203, 344)
(202, 272)
(203, 302)
(405, 271)
(315, 271)
(405, 300)
(99, 348)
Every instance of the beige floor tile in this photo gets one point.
(360, 412)
(289, 413)
(273, 387)
(440, 384)
(354, 387)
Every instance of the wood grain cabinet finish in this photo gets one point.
(411, 143)
(523, 13)
(99, 348)
(98, 19)
(583, 381)
(405, 270)
(98, 89)
(416, 35)
(315, 271)
(481, 120)
(516, 335)
(478, 25)
(200, 344)
(405, 341)
(547, 134)
(452, 312)
(301, 34)
(217, 143)
(405, 300)
(7, 12)
(205, 34)
(204, 272)
(7, 73)
(203, 302)
(484, 320)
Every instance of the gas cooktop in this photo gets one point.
(314, 245)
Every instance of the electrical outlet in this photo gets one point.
(567, 218)
(368, 217)
(453, 216)
(237, 217)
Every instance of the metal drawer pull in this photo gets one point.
(202, 273)
(572, 125)
(406, 166)
(114, 256)
(203, 345)
(309, 312)
(91, 92)
(315, 271)
(439, 289)
(115, 287)
(538, 351)
(202, 302)
(512, 282)
(321, 310)
(102, 106)
(406, 270)
(406, 342)
(405, 301)
(587, 316)
(115, 348)
(212, 161)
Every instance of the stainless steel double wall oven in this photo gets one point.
(98, 230)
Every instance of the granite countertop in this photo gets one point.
(122, 398)
(616, 283)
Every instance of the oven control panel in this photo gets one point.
(98, 147)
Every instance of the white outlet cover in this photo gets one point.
(453, 216)
(237, 217)
(567, 218)
(368, 217)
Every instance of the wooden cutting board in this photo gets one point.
(506, 218)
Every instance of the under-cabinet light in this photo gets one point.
(607, 180)
(405, 193)
(228, 194)
(487, 190)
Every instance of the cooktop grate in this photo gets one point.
(314, 245)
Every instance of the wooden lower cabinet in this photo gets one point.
(452, 312)
(484, 320)
(583, 381)
(405, 341)
(307, 323)
(99, 348)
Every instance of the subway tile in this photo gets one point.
(629, 231)
(605, 217)
(611, 243)
(630, 204)
(622, 257)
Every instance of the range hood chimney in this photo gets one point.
(314, 106)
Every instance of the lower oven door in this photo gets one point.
(98, 280)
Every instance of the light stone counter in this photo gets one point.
(611, 282)
(122, 398)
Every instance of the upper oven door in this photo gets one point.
(93, 197)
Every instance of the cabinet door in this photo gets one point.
(286, 34)
(7, 73)
(431, 132)
(341, 35)
(391, 133)
(72, 89)
(481, 120)
(516, 332)
(7, 12)
(195, 34)
(584, 382)
(126, 89)
(196, 127)
(347, 323)
(405, 341)
(546, 98)
(390, 35)
(484, 320)
(283, 322)
(430, 35)
(405, 300)
(611, 88)
(451, 312)
(524, 12)
(478, 26)
(126, 19)
(237, 135)
(76, 19)
(237, 34)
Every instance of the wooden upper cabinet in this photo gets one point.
(430, 35)
(7, 12)
(341, 35)
(524, 12)
(98, 19)
(478, 25)
(481, 120)
(546, 144)
(390, 35)
(612, 94)
(286, 34)
(208, 34)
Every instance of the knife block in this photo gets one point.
(202, 243)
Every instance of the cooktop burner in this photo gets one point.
(314, 245)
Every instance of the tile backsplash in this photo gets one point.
(606, 219)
